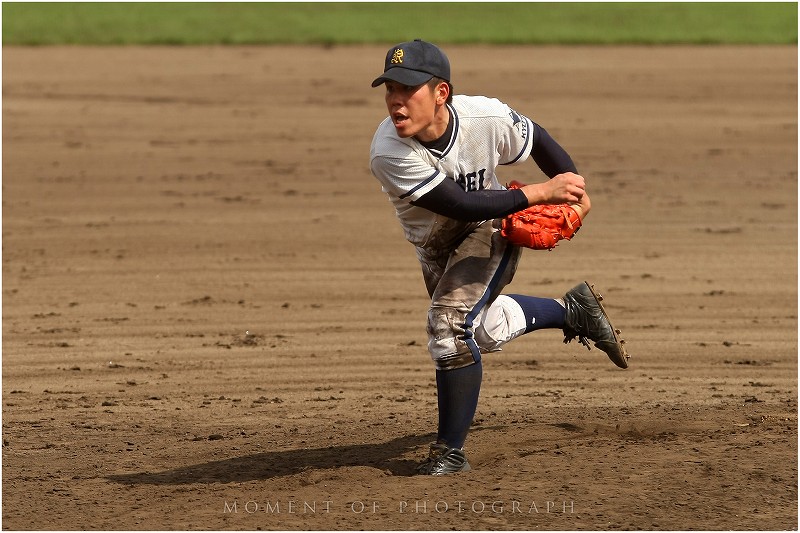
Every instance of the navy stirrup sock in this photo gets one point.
(540, 313)
(458, 392)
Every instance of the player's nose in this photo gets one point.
(393, 101)
(395, 98)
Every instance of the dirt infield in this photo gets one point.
(211, 319)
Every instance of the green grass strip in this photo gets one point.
(190, 23)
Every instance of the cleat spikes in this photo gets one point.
(587, 320)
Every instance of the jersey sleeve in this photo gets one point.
(516, 137)
(407, 178)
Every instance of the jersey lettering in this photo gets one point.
(473, 181)
(519, 124)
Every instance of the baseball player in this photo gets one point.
(436, 157)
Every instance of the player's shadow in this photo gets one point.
(384, 456)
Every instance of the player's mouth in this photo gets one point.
(399, 119)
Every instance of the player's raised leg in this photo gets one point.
(578, 313)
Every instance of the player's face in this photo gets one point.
(412, 110)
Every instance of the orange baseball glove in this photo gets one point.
(540, 227)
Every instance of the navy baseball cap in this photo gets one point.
(414, 63)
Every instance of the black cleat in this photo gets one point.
(587, 320)
(444, 460)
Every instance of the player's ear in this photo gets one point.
(442, 92)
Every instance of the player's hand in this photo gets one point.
(566, 188)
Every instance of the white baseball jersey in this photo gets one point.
(486, 133)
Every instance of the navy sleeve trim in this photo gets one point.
(525, 147)
(424, 183)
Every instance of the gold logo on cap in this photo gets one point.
(397, 57)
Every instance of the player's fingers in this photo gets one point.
(576, 192)
(578, 181)
(571, 185)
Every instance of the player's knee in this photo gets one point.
(446, 338)
(501, 322)
(444, 325)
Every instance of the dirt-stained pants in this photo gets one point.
(466, 316)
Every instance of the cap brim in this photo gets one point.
(405, 76)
